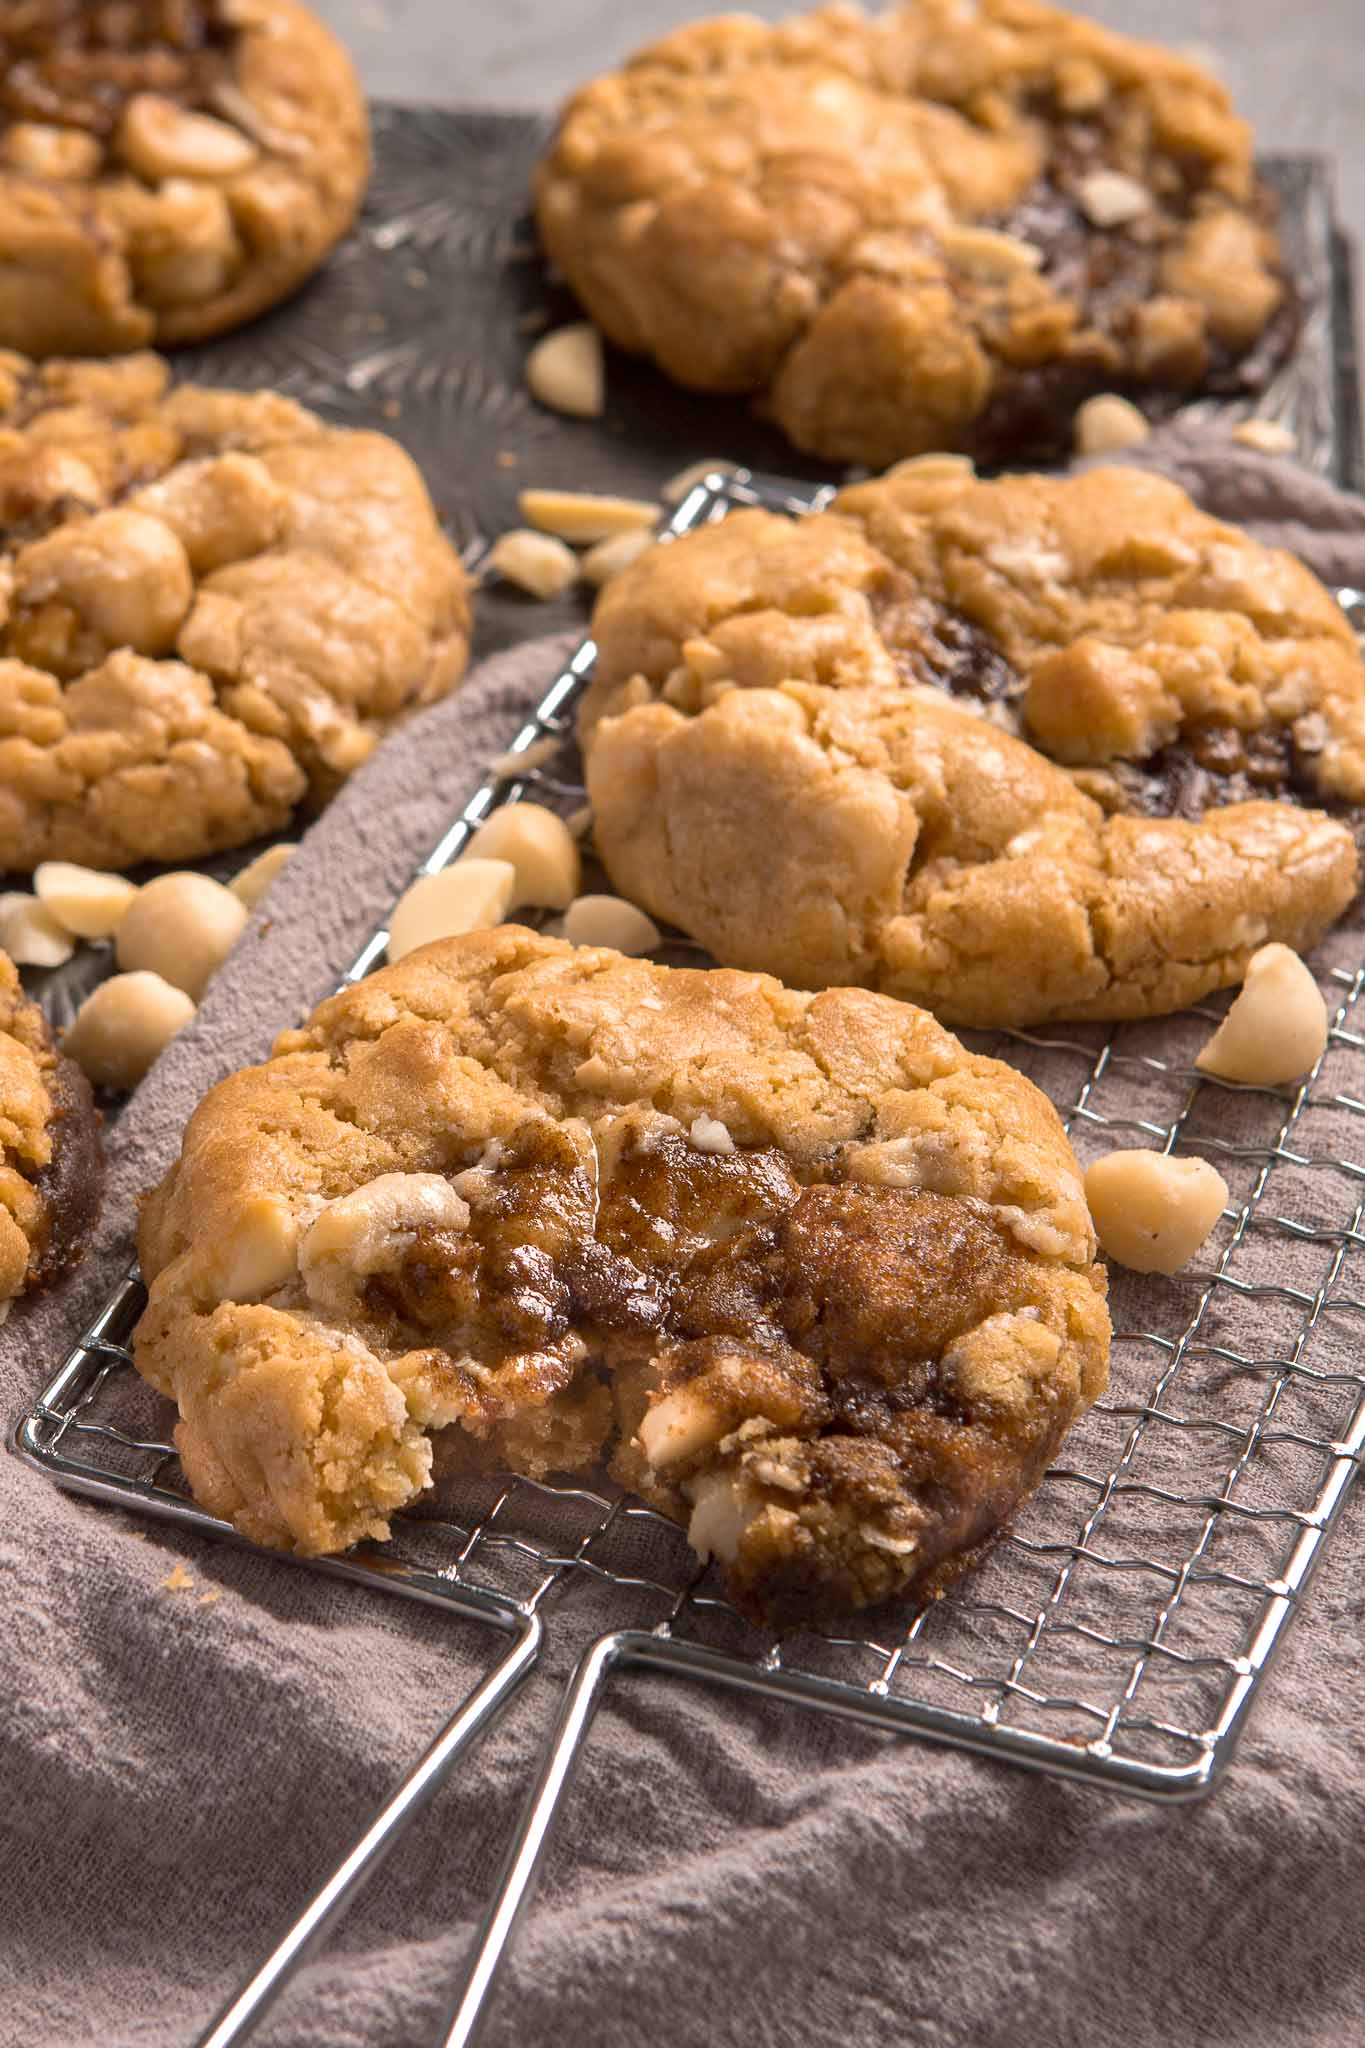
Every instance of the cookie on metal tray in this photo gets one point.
(941, 226)
(1019, 750)
(168, 168)
(216, 605)
(51, 1161)
(820, 1282)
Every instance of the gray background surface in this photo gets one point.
(1296, 67)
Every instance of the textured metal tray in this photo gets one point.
(1120, 1631)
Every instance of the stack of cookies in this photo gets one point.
(761, 1239)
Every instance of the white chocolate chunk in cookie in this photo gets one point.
(610, 921)
(124, 1026)
(259, 1250)
(1152, 1212)
(472, 896)
(30, 934)
(567, 371)
(722, 1509)
(85, 902)
(541, 849)
(370, 1230)
(677, 1426)
(182, 927)
(709, 1134)
(1276, 1029)
(251, 882)
(160, 140)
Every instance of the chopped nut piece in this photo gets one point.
(472, 896)
(567, 371)
(535, 562)
(250, 885)
(182, 927)
(986, 253)
(520, 761)
(1151, 1211)
(1268, 437)
(677, 487)
(1107, 423)
(1276, 1030)
(124, 1026)
(1109, 199)
(677, 1427)
(85, 902)
(540, 848)
(709, 1134)
(610, 921)
(51, 152)
(610, 557)
(30, 934)
(160, 140)
(584, 516)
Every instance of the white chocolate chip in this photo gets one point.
(1110, 199)
(1276, 1030)
(709, 1134)
(124, 1026)
(686, 480)
(182, 927)
(720, 1515)
(583, 516)
(613, 557)
(541, 849)
(988, 254)
(51, 152)
(259, 1253)
(86, 902)
(251, 882)
(1152, 1212)
(472, 896)
(158, 140)
(677, 1427)
(31, 935)
(1106, 423)
(610, 921)
(371, 1230)
(1267, 437)
(535, 562)
(567, 371)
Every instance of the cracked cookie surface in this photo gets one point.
(168, 168)
(1018, 750)
(820, 1283)
(212, 607)
(51, 1159)
(944, 226)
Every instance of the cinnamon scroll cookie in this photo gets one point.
(168, 168)
(214, 606)
(940, 226)
(51, 1161)
(1045, 747)
(818, 1282)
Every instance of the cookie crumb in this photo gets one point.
(207, 1599)
(1267, 437)
(177, 1580)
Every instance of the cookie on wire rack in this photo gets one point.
(217, 605)
(1039, 748)
(168, 168)
(940, 226)
(818, 1280)
(51, 1159)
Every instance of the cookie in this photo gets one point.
(1045, 747)
(51, 1160)
(216, 606)
(820, 1283)
(944, 226)
(168, 168)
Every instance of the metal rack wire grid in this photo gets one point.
(1119, 1630)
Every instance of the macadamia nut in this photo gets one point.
(610, 921)
(124, 1026)
(256, 877)
(583, 516)
(85, 901)
(1108, 423)
(567, 371)
(31, 935)
(539, 846)
(1151, 1211)
(182, 927)
(611, 557)
(159, 140)
(1276, 1030)
(535, 562)
(472, 896)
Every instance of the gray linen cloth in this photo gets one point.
(180, 1771)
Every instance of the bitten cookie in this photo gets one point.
(168, 168)
(214, 608)
(808, 744)
(820, 1281)
(942, 226)
(51, 1160)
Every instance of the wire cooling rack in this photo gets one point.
(1117, 1633)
